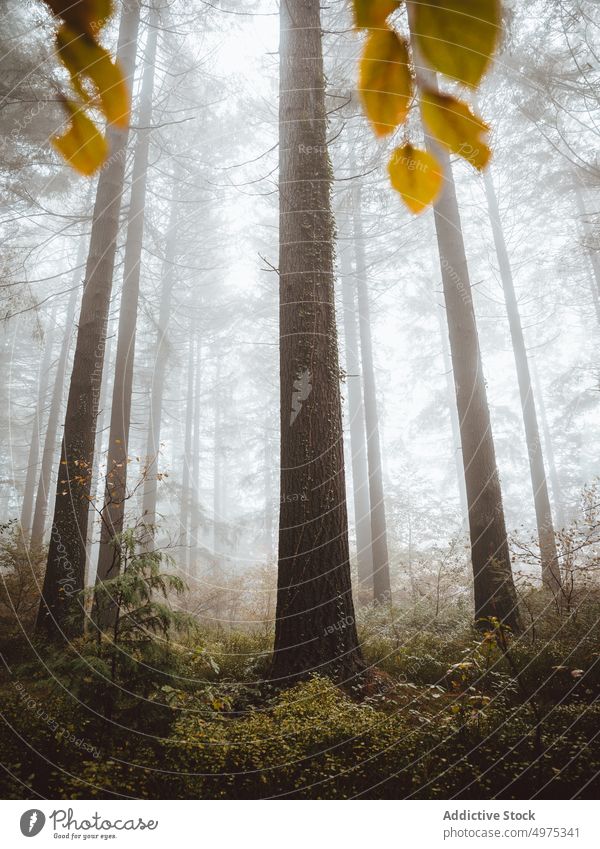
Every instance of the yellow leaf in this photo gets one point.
(458, 37)
(87, 16)
(417, 175)
(454, 124)
(84, 58)
(385, 81)
(83, 145)
(373, 13)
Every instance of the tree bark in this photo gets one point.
(115, 498)
(61, 611)
(543, 512)
(593, 256)
(382, 590)
(356, 416)
(315, 626)
(548, 442)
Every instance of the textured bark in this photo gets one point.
(49, 452)
(543, 512)
(356, 416)
(161, 357)
(36, 431)
(195, 465)
(115, 498)
(268, 487)
(315, 628)
(61, 610)
(382, 591)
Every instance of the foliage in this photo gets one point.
(83, 145)
(452, 39)
(21, 574)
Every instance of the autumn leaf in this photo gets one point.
(417, 175)
(458, 37)
(83, 145)
(86, 16)
(385, 81)
(453, 123)
(372, 13)
(84, 58)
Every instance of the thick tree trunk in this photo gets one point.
(161, 357)
(31, 474)
(382, 590)
(115, 498)
(315, 628)
(543, 512)
(356, 416)
(268, 486)
(61, 609)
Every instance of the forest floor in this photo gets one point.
(455, 715)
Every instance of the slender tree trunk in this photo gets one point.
(543, 512)
(382, 591)
(494, 590)
(195, 467)
(356, 416)
(549, 445)
(218, 519)
(32, 472)
(61, 610)
(161, 357)
(315, 626)
(113, 513)
(186, 495)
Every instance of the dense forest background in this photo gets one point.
(163, 682)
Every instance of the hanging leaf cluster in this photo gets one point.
(98, 82)
(456, 38)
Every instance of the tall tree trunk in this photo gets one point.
(31, 474)
(61, 610)
(356, 416)
(38, 525)
(382, 590)
(113, 512)
(315, 627)
(161, 357)
(186, 495)
(218, 518)
(549, 445)
(195, 467)
(494, 590)
(543, 511)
